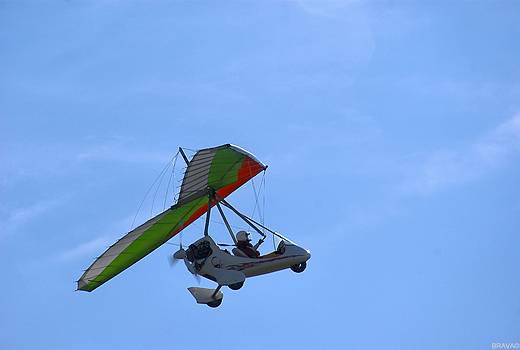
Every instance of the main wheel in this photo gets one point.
(236, 286)
(215, 303)
(299, 267)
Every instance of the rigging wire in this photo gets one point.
(150, 189)
(257, 195)
(172, 176)
(157, 189)
(263, 199)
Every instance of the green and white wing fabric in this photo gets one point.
(222, 169)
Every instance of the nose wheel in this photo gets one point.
(298, 268)
(236, 286)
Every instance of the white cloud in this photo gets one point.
(28, 161)
(24, 214)
(333, 9)
(446, 168)
(459, 90)
(110, 152)
(96, 246)
(20, 216)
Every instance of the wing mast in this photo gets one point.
(181, 151)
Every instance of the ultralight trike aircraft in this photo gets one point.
(211, 175)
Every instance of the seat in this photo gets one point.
(238, 252)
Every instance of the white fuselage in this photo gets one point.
(224, 268)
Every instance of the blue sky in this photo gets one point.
(392, 134)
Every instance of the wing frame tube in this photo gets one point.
(242, 216)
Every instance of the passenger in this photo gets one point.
(244, 244)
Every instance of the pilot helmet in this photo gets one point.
(242, 236)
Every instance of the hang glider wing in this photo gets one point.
(223, 169)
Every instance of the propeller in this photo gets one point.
(181, 255)
(172, 261)
(197, 277)
(178, 255)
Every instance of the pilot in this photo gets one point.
(243, 243)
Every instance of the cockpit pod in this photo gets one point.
(206, 258)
